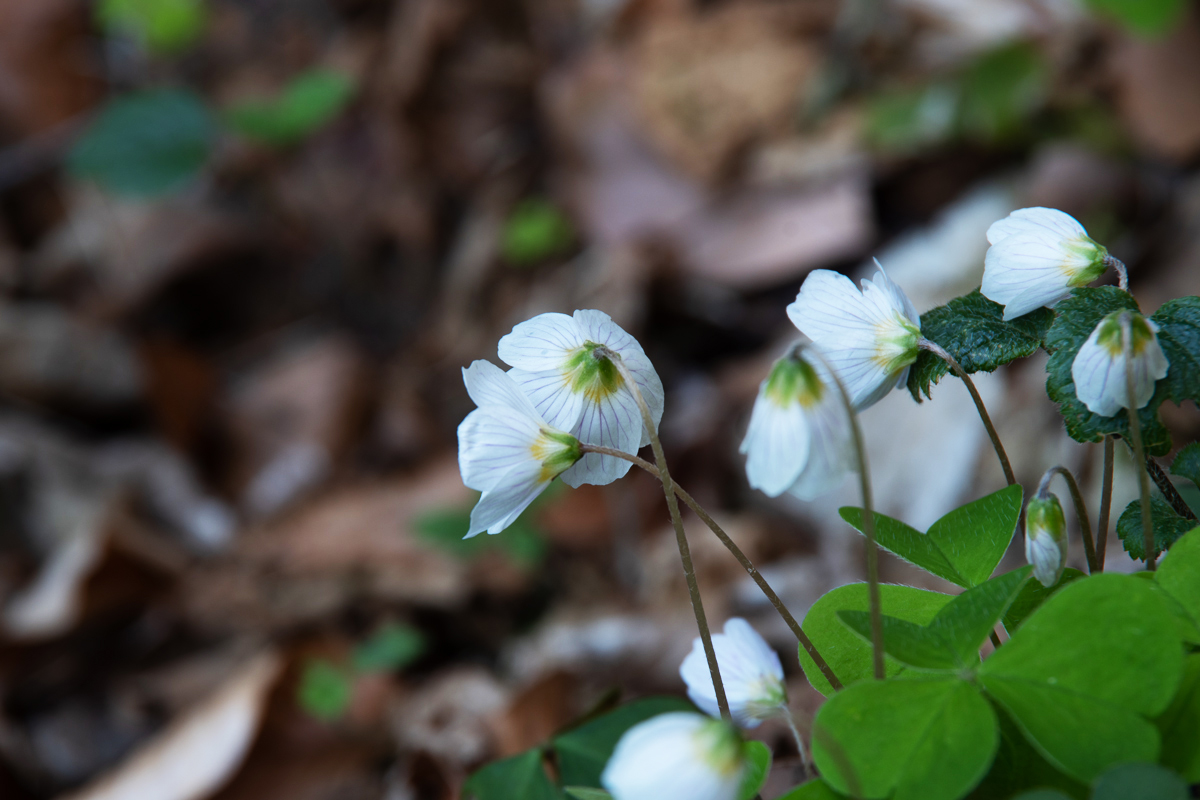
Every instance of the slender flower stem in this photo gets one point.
(1135, 434)
(941, 353)
(805, 764)
(751, 570)
(1105, 503)
(1122, 272)
(1085, 528)
(864, 475)
(685, 553)
(1168, 489)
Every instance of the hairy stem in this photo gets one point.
(747, 565)
(1170, 493)
(1105, 503)
(805, 764)
(1122, 272)
(1135, 434)
(1081, 514)
(941, 353)
(685, 553)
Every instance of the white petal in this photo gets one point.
(540, 343)
(499, 507)
(831, 456)
(491, 441)
(1099, 378)
(830, 306)
(658, 760)
(866, 381)
(749, 641)
(697, 678)
(776, 445)
(1046, 556)
(489, 385)
(550, 394)
(887, 296)
(598, 327)
(1048, 222)
(613, 422)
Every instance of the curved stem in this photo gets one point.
(1135, 433)
(1170, 493)
(685, 553)
(751, 570)
(805, 764)
(1122, 272)
(941, 353)
(1105, 503)
(1085, 528)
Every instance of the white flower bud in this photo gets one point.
(1099, 367)
(678, 756)
(1045, 538)
(750, 670)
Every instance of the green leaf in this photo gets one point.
(520, 776)
(916, 646)
(309, 102)
(536, 230)
(325, 690)
(1146, 17)
(1168, 527)
(1019, 767)
(392, 647)
(1178, 573)
(963, 547)
(1001, 89)
(1140, 782)
(584, 793)
(583, 752)
(1179, 336)
(1032, 595)
(145, 144)
(1076, 318)
(160, 26)
(1180, 725)
(813, 790)
(928, 739)
(1187, 463)
(758, 765)
(971, 328)
(1042, 794)
(846, 653)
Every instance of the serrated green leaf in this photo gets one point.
(1180, 725)
(520, 776)
(847, 654)
(927, 739)
(160, 26)
(1032, 595)
(535, 231)
(1146, 17)
(145, 144)
(1187, 463)
(963, 547)
(1075, 319)
(390, 648)
(1168, 527)
(1178, 573)
(813, 790)
(307, 103)
(583, 752)
(758, 765)
(972, 329)
(1179, 336)
(1140, 782)
(325, 690)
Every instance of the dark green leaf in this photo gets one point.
(1001, 89)
(1180, 725)
(1147, 17)
(535, 231)
(1032, 595)
(1168, 527)
(913, 645)
(520, 776)
(758, 765)
(392, 647)
(1076, 318)
(1179, 337)
(963, 547)
(325, 690)
(584, 793)
(160, 26)
(847, 654)
(1178, 574)
(583, 752)
(927, 739)
(971, 329)
(1019, 767)
(1140, 782)
(813, 790)
(1187, 463)
(309, 102)
(145, 144)
(1042, 794)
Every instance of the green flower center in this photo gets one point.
(896, 343)
(1093, 252)
(1108, 333)
(591, 374)
(793, 380)
(557, 451)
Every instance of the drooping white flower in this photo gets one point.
(558, 362)
(799, 439)
(870, 336)
(1037, 256)
(1045, 538)
(506, 449)
(750, 670)
(677, 756)
(1099, 367)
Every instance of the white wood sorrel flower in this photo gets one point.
(560, 362)
(870, 336)
(1100, 365)
(677, 756)
(1037, 256)
(751, 672)
(506, 449)
(799, 438)
(1045, 538)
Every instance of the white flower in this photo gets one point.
(557, 361)
(750, 670)
(1099, 367)
(677, 756)
(870, 337)
(1037, 256)
(506, 450)
(1045, 538)
(799, 439)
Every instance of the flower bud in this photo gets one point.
(1099, 367)
(676, 756)
(1045, 538)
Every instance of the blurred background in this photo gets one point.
(246, 247)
